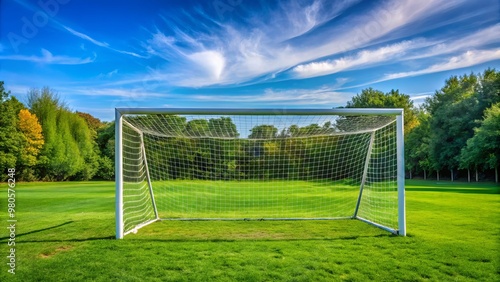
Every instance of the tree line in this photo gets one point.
(210, 149)
(455, 134)
(46, 141)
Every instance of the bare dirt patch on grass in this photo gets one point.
(49, 254)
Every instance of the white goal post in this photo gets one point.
(259, 164)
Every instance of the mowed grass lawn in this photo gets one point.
(65, 232)
(255, 199)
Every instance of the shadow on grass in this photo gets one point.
(4, 239)
(213, 240)
(229, 240)
(37, 231)
(69, 240)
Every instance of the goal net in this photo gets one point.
(259, 164)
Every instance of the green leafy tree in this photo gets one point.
(293, 130)
(106, 168)
(488, 88)
(11, 139)
(312, 129)
(68, 152)
(483, 149)
(93, 123)
(197, 127)
(417, 154)
(106, 140)
(222, 127)
(106, 146)
(99, 164)
(371, 98)
(263, 132)
(456, 109)
(85, 139)
(67, 160)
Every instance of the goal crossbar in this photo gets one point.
(369, 164)
(271, 111)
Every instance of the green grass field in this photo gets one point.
(65, 232)
(254, 199)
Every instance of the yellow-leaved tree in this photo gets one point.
(32, 133)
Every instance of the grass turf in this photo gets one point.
(65, 232)
(254, 199)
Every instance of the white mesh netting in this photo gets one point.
(259, 167)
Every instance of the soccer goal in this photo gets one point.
(259, 164)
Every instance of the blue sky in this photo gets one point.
(98, 55)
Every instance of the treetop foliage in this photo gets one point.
(483, 149)
(455, 110)
(93, 123)
(371, 98)
(11, 139)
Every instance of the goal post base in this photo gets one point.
(137, 227)
(393, 231)
(253, 219)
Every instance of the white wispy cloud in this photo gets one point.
(361, 59)
(403, 51)
(85, 37)
(18, 89)
(420, 96)
(133, 54)
(477, 39)
(419, 99)
(324, 95)
(301, 17)
(108, 74)
(131, 94)
(290, 35)
(48, 58)
(211, 63)
(467, 59)
(99, 43)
